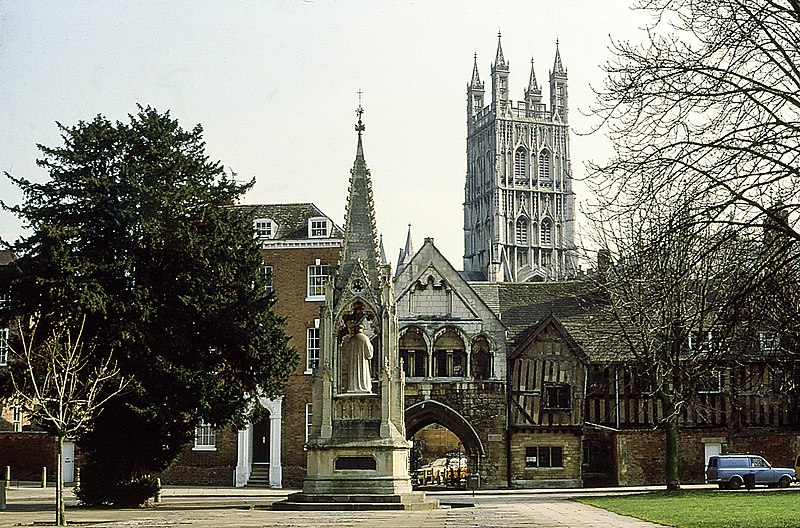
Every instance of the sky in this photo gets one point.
(274, 85)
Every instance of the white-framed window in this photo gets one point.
(318, 227)
(710, 382)
(264, 228)
(312, 347)
(309, 416)
(3, 346)
(205, 438)
(317, 279)
(266, 274)
(16, 418)
(5, 300)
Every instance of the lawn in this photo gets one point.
(708, 509)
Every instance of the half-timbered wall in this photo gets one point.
(750, 395)
(547, 383)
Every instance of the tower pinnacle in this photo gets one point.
(499, 60)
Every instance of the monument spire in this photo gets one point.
(360, 231)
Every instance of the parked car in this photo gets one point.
(433, 473)
(730, 471)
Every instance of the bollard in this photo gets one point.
(157, 496)
(3, 495)
(8, 477)
(44, 476)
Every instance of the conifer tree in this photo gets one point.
(134, 229)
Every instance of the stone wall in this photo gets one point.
(567, 476)
(483, 406)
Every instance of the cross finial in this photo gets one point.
(359, 113)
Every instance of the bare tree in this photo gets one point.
(672, 309)
(704, 116)
(707, 107)
(56, 384)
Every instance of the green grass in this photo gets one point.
(708, 509)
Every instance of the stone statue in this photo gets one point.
(358, 349)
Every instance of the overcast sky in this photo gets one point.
(274, 84)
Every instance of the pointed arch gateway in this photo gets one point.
(425, 413)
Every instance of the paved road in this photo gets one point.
(227, 507)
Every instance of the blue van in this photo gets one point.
(729, 471)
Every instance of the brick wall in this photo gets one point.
(641, 453)
(290, 279)
(205, 468)
(26, 453)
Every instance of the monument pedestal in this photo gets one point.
(357, 450)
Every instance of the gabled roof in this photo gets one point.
(576, 305)
(291, 219)
(429, 257)
(538, 328)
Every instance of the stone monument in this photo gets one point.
(358, 456)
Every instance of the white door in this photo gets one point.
(712, 449)
(68, 465)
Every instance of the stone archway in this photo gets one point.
(429, 412)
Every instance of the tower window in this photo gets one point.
(546, 234)
(544, 168)
(519, 164)
(522, 232)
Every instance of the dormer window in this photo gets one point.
(318, 228)
(264, 228)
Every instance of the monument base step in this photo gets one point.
(345, 502)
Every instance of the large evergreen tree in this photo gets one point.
(134, 229)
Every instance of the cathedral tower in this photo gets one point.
(519, 208)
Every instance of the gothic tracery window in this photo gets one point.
(544, 168)
(519, 164)
(522, 231)
(546, 233)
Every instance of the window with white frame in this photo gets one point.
(266, 275)
(318, 227)
(317, 279)
(205, 438)
(16, 418)
(3, 346)
(710, 382)
(312, 347)
(264, 228)
(309, 416)
(5, 300)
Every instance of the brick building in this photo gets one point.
(301, 246)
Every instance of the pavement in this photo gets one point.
(250, 507)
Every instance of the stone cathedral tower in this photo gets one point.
(519, 208)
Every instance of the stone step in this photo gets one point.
(287, 505)
(405, 498)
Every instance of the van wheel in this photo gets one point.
(735, 483)
(784, 482)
